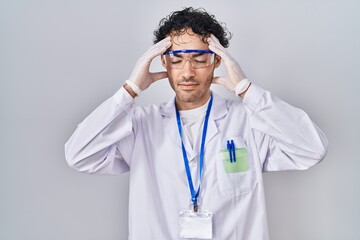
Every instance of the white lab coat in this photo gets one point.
(120, 136)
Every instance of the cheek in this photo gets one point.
(206, 76)
(172, 76)
(171, 83)
(171, 79)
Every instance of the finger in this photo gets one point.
(219, 80)
(166, 42)
(212, 36)
(222, 52)
(157, 49)
(215, 41)
(217, 48)
(158, 75)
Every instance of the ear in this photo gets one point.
(217, 60)
(163, 61)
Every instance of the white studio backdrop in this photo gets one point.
(61, 59)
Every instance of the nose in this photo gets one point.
(188, 70)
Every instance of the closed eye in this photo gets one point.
(176, 59)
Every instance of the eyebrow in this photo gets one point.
(196, 54)
(177, 55)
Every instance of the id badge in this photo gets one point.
(195, 224)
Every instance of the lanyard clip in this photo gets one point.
(195, 206)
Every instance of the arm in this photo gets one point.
(285, 136)
(103, 142)
(96, 144)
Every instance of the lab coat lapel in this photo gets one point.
(218, 110)
(171, 128)
(170, 125)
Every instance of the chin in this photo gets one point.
(189, 96)
(187, 99)
(186, 96)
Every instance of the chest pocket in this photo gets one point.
(235, 167)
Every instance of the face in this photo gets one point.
(191, 85)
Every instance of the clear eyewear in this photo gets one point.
(198, 58)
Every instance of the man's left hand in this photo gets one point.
(234, 71)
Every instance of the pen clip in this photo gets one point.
(233, 150)
(229, 146)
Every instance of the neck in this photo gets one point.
(183, 105)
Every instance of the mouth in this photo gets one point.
(187, 86)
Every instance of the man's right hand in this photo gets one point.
(141, 74)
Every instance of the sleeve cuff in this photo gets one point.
(123, 97)
(253, 96)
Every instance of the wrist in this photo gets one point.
(129, 90)
(242, 95)
(242, 87)
(133, 87)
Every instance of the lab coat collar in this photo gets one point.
(218, 111)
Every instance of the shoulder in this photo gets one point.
(155, 110)
(227, 103)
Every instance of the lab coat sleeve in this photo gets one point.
(102, 142)
(285, 136)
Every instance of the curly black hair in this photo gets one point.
(201, 22)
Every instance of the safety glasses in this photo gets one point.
(198, 58)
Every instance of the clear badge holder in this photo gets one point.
(195, 224)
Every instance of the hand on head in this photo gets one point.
(234, 71)
(141, 74)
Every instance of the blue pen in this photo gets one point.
(229, 149)
(233, 150)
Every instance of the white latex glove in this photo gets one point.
(141, 75)
(234, 71)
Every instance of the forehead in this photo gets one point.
(187, 40)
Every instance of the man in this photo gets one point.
(195, 162)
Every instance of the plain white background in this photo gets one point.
(60, 59)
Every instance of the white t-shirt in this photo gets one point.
(192, 120)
